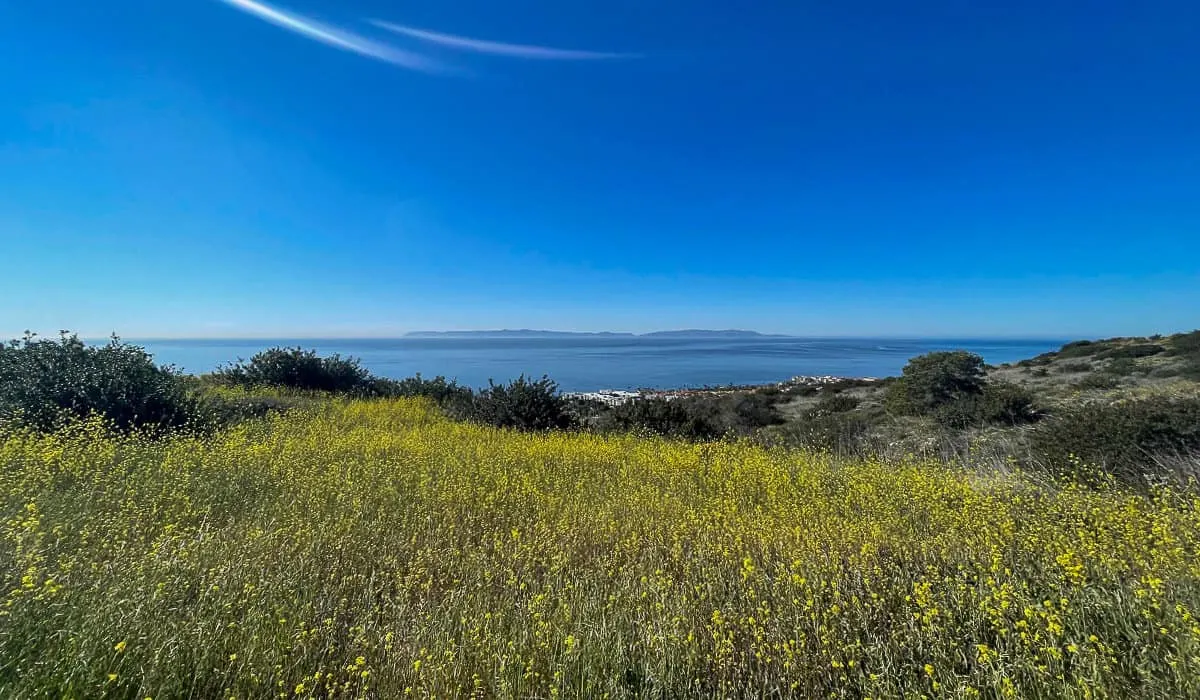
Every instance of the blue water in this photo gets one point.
(591, 363)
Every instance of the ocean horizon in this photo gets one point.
(592, 363)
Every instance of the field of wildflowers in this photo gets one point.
(376, 549)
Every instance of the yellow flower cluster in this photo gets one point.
(375, 549)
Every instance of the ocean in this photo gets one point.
(593, 363)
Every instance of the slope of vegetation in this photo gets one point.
(357, 548)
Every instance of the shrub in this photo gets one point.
(523, 404)
(1133, 352)
(695, 418)
(678, 418)
(840, 432)
(1121, 367)
(935, 379)
(1006, 403)
(742, 413)
(1002, 403)
(1098, 382)
(1185, 343)
(1167, 371)
(44, 383)
(1123, 438)
(455, 399)
(1079, 348)
(1074, 367)
(837, 403)
(963, 413)
(297, 368)
(217, 411)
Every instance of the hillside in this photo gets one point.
(1111, 364)
(1106, 398)
(376, 549)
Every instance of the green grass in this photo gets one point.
(378, 550)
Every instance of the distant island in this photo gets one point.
(696, 333)
(525, 333)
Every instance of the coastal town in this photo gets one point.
(617, 397)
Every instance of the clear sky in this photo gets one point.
(368, 167)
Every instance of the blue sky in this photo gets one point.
(364, 168)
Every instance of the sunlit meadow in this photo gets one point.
(376, 549)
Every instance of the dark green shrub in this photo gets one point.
(224, 411)
(844, 432)
(1080, 348)
(695, 418)
(1004, 403)
(455, 399)
(1074, 367)
(296, 368)
(1121, 367)
(1185, 343)
(523, 404)
(1097, 382)
(1133, 352)
(743, 413)
(677, 418)
(935, 379)
(1001, 403)
(1122, 438)
(963, 413)
(1041, 372)
(837, 403)
(44, 383)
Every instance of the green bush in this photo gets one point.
(837, 403)
(523, 404)
(1097, 382)
(1133, 352)
(840, 432)
(1121, 367)
(1185, 343)
(1074, 367)
(743, 413)
(695, 418)
(455, 399)
(1080, 348)
(934, 380)
(1004, 403)
(677, 418)
(1122, 438)
(296, 368)
(1001, 403)
(44, 383)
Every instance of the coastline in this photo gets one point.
(617, 397)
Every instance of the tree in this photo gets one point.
(936, 379)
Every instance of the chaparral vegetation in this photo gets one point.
(372, 546)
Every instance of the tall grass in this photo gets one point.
(375, 549)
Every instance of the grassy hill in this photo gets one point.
(376, 549)
(1131, 405)
(1114, 363)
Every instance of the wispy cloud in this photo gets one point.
(335, 37)
(497, 48)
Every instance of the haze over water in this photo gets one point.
(591, 363)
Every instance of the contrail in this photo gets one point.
(496, 47)
(337, 38)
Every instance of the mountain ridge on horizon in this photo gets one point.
(531, 333)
